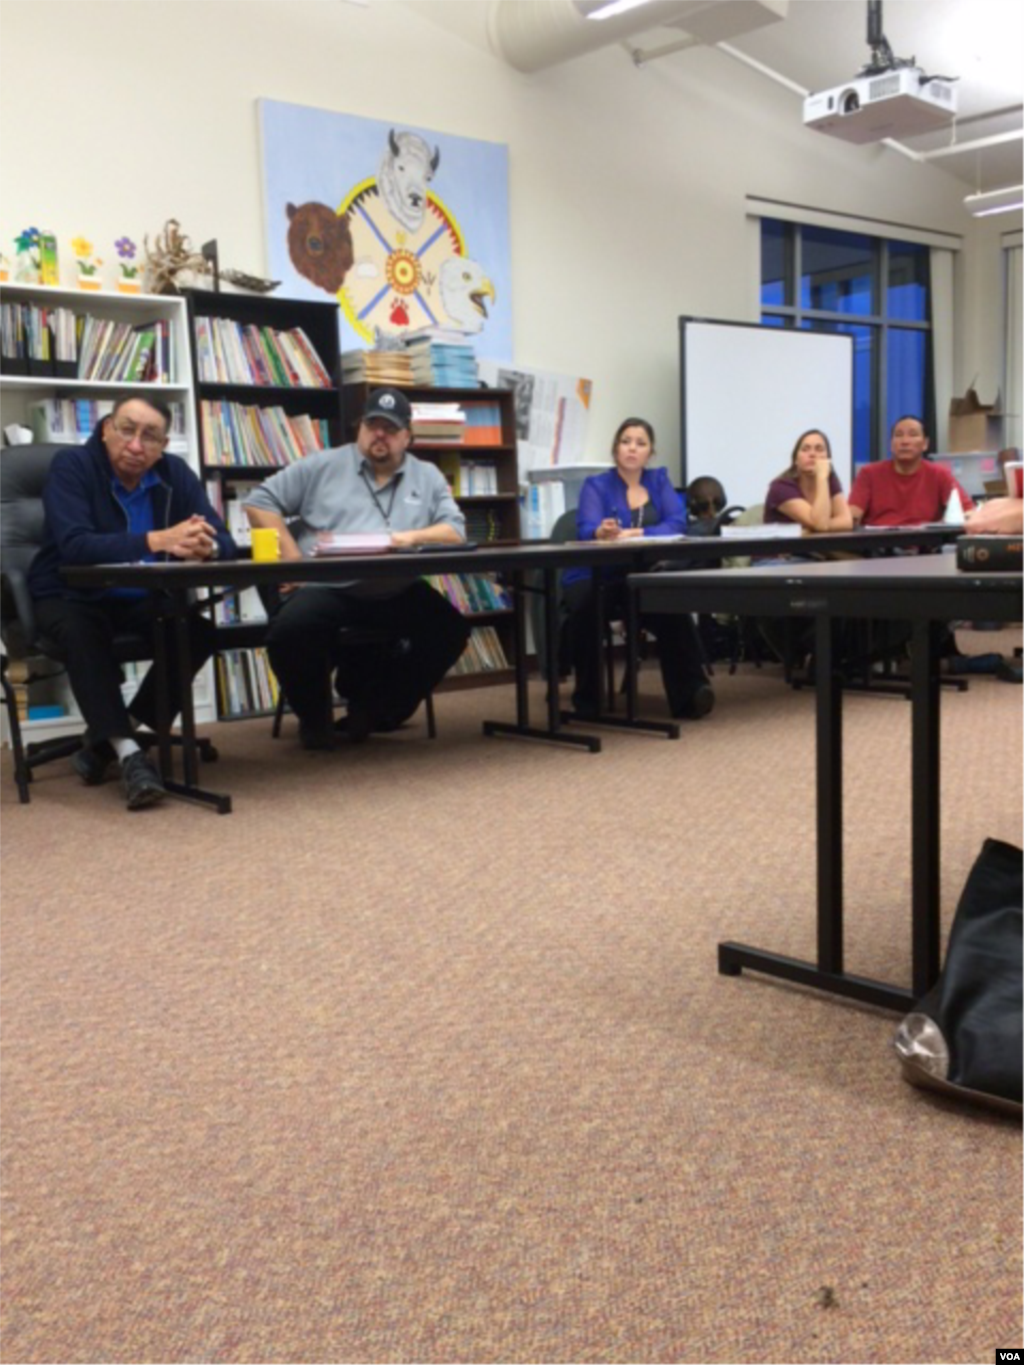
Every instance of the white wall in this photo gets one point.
(627, 186)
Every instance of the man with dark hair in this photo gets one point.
(906, 490)
(120, 498)
(371, 485)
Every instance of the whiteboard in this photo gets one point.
(748, 392)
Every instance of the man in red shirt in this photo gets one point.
(907, 490)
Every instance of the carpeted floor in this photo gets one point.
(421, 1055)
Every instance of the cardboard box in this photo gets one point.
(973, 425)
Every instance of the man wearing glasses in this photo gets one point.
(120, 499)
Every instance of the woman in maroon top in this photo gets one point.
(809, 493)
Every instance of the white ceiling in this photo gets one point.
(821, 44)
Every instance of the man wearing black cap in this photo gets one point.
(371, 485)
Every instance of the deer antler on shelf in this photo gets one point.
(172, 254)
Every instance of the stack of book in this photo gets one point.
(442, 359)
(438, 424)
(483, 653)
(376, 367)
(229, 353)
(237, 435)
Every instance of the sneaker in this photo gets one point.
(700, 703)
(141, 782)
(92, 762)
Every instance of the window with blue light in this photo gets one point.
(873, 289)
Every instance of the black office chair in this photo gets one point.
(23, 473)
(358, 640)
(564, 530)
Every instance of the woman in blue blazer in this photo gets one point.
(632, 500)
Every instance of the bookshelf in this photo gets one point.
(262, 401)
(481, 467)
(60, 407)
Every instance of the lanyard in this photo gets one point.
(385, 513)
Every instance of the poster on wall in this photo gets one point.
(551, 414)
(407, 228)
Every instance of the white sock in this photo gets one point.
(124, 748)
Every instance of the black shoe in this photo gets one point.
(1009, 670)
(141, 782)
(357, 724)
(92, 762)
(700, 703)
(316, 737)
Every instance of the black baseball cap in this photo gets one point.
(389, 404)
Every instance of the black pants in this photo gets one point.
(679, 649)
(84, 635)
(303, 646)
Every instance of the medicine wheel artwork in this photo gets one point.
(393, 282)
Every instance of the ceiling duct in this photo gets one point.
(532, 35)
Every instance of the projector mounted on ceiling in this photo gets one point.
(892, 97)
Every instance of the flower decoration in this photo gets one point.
(26, 245)
(88, 264)
(126, 249)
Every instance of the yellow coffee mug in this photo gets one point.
(266, 545)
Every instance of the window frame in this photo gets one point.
(793, 314)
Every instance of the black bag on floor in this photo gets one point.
(964, 1036)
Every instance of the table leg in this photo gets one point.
(554, 732)
(189, 788)
(924, 817)
(827, 974)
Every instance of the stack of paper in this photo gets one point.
(353, 543)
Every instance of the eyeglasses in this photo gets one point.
(699, 505)
(148, 438)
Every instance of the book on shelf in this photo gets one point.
(73, 420)
(229, 353)
(482, 524)
(122, 352)
(443, 423)
(483, 653)
(245, 682)
(37, 339)
(483, 424)
(989, 554)
(471, 592)
(478, 478)
(376, 368)
(236, 435)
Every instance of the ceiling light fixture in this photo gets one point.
(995, 201)
(615, 7)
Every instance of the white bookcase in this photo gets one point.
(19, 392)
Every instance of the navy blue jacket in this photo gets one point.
(85, 523)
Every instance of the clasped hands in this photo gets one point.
(193, 538)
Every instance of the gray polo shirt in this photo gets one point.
(334, 490)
